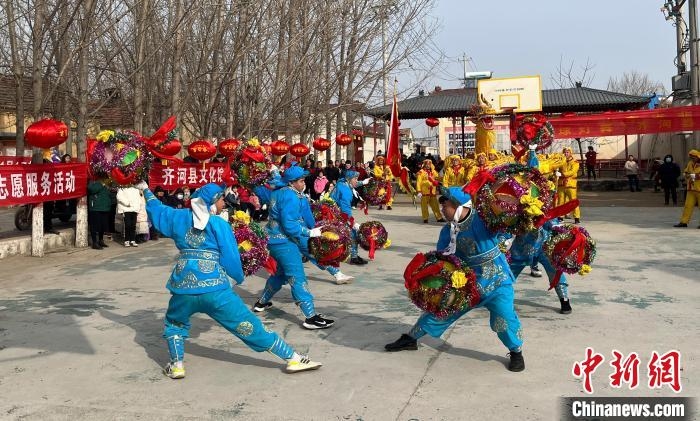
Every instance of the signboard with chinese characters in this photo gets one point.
(36, 183)
(15, 160)
(175, 175)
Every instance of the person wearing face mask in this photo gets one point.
(201, 279)
(177, 200)
(668, 173)
(288, 235)
(467, 237)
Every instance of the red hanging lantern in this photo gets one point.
(321, 144)
(227, 147)
(46, 133)
(201, 150)
(171, 148)
(299, 150)
(343, 139)
(280, 147)
(432, 122)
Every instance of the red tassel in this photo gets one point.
(388, 192)
(560, 210)
(372, 248)
(555, 281)
(270, 265)
(163, 131)
(480, 179)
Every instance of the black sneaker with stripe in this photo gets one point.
(318, 322)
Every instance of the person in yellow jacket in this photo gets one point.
(482, 164)
(455, 173)
(692, 196)
(566, 186)
(383, 172)
(427, 187)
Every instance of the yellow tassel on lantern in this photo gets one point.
(242, 217)
(330, 236)
(387, 244)
(585, 269)
(254, 142)
(245, 246)
(104, 135)
(458, 279)
(533, 206)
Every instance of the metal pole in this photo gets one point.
(680, 34)
(385, 59)
(464, 140)
(692, 23)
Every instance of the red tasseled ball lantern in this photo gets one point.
(280, 147)
(227, 147)
(343, 139)
(201, 150)
(432, 122)
(299, 150)
(46, 133)
(321, 144)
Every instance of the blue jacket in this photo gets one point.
(286, 220)
(478, 248)
(342, 194)
(207, 258)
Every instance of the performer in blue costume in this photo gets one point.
(201, 279)
(343, 194)
(310, 221)
(468, 238)
(527, 248)
(287, 237)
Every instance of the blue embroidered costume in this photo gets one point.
(201, 279)
(471, 241)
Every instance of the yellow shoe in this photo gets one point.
(304, 364)
(174, 372)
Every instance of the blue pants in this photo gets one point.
(504, 321)
(290, 270)
(562, 288)
(229, 311)
(353, 246)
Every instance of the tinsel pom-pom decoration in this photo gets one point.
(252, 242)
(441, 284)
(325, 209)
(377, 192)
(570, 249)
(515, 200)
(333, 246)
(123, 157)
(372, 236)
(252, 163)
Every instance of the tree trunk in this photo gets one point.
(139, 82)
(177, 59)
(18, 73)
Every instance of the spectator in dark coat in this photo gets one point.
(669, 172)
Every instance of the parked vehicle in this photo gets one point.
(63, 210)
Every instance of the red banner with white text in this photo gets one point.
(660, 120)
(15, 160)
(177, 175)
(36, 183)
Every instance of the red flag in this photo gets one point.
(393, 156)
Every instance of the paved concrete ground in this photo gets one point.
(80, 335)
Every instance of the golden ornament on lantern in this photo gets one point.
(227, 147)
(201, 150)
(321, 144)
(279, 147)
(299, 150)
(46, 133)
(343, 139)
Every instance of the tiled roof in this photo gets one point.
(8, 98)
(456, 102)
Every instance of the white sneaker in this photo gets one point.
(173, 371)
(535, 273)
(304, 364)
(134, 244)
(341, 278)
(126, 244)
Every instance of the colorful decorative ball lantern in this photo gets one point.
(227, 147)
(343, 139)
(321, 144)
(280, 147)
(299, 150)
(432, 122)
(201, 150)
(46, 133)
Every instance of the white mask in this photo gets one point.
(180, 196)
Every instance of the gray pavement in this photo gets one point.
(80, 335)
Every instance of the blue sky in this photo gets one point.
(513, 38)
(520, 38)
